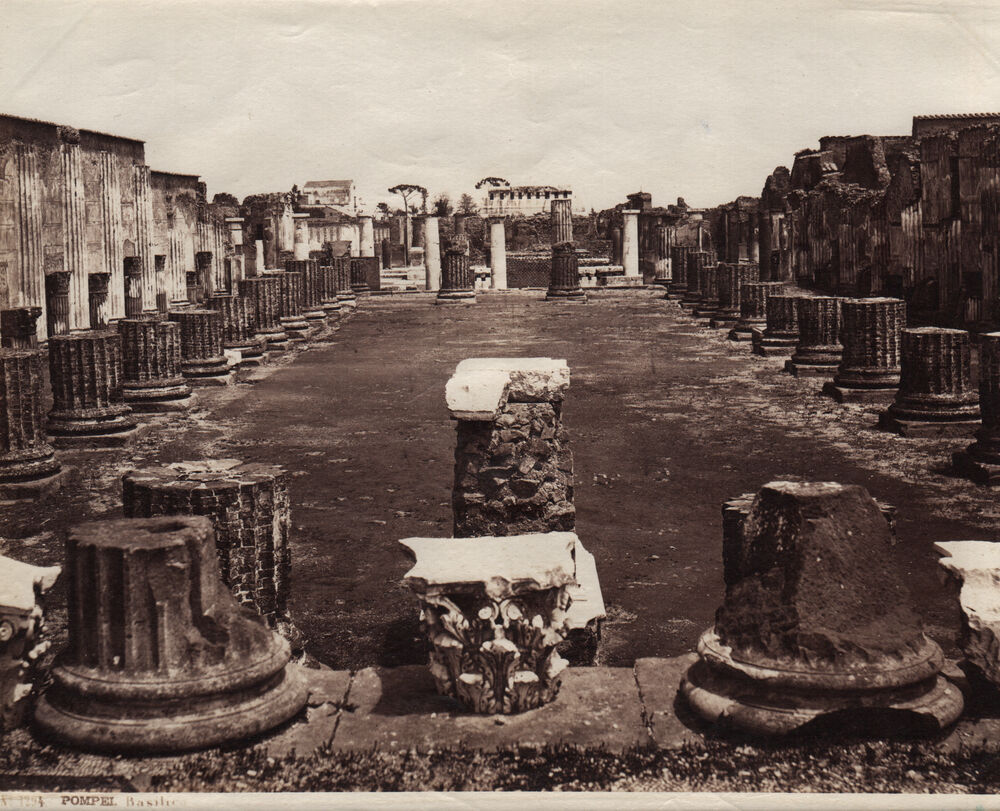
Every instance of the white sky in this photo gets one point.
(697, 99)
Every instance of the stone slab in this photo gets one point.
(477, 388)
(672, 723)
(845, 395)
(919, 429)
(398, 709)
(809, 369)
(740, 335)
(722, 323)
(328, 691)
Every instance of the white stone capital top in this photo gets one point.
(502, 566)
(18, 581)
(480, 387)
(298, 215)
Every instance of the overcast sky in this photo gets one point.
(693, 99)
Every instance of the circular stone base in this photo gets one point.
(206, 372)
(315, 317)
(456, 297)
(28, 473)
(154, 399)
(867, 378)
(566, 295)
(360, 289)
(103, 723)
(99, 432)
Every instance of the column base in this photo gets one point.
(773, 347)
(95, 428)
(207, 372)
(30, 489)
(967, 465)
(456, 297)
(690, 302)
(706, 310)
(566, 295)
(797, 369)
(165, 396)
(844, 394)
(29, 473)
(251, 354)
(360, 289)
(296, 329)
(315, 318)
(722, 322)
(921, 429)
(347, 300)
(331, 308)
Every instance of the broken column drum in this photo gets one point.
(780, 335)
(870, 366)
(661, 262)
(161, 657)
(732, 277)
(457, 279)
(818, 351)
(806, 632)
(88, 406)
(28, 465)
(22, 638)
(564, 277)
(328, 296)
(249, 509)
(935, 396)
(493, 611)
(290, 305)
(203, 362)
(753, 308)
(237, 327)
(359, 276)
(345, 293)
(678, 271)
(19, 327)
(709, 285)
(562, 221)
(312, 306)
(261, 293)
(151, 365)
(696, 260)
(981, 460)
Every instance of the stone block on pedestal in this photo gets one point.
(806, 632)
(161, 657)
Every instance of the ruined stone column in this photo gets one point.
(432, 253)
(564, 278)
(133, 287)
(261, 293)
(935, 396)
(818, 352)
(805, 631)
(678, 272)
(366, 235)
(161, 657)
(780, 335)
(661, 267)
(289, 303)
(359, 276)
(144, 236)
(731, 279)
(238, 259)
(112, 234)
(980, 461)
(345, 293)
(562, 221)
(616, 246)
(74, 226)
(88, 408)
(248, 506)
(709, 305)
(385, 252)
(203, 363)
(498, 253)
(328, 295)
(30, 284)
(18, 328)
(869, 369)
(300, 237)
(151, 365)
(753, 308)
(457, 279)
(312, 308)
(238, 329)
(28, 466)
(696, 261)
(57, 300)
(98, 304)
(630, 243)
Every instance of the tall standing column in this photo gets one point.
(300, 245)
(818, 352)
(432, 254)
(981, 460)
(30, 281)
(112, 233)
(562, 221)
(151, 365)
(564, 278)
(366, 235)
(870, 368)
(935, 396)
(88, 408)
(630, 243)
(458, 282)
(144, 236)
(74, 228)
(498, 253)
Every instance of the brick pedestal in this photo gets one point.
(88, 408)
(19, 327)
(753, 308)
(935, 396)
(981, 460)
(151, 365)
(261, 293)
(160, 657)
(202, 360)
(780, 335)
(869, 369)
(249, 509)
(818, 352)
(732, 277)
(312, 289)
(457, 279)
(328, 297)
(342, 271)
(290, 305)
(28, 466)
(237, 328)
(678, 286)
(564, 278)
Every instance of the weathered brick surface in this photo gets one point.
(870, 333)
(201, 334)
(819, 331)
(25, 453)
(732, 277)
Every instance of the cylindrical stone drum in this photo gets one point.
(982, 458)
(457, 279)
(342, 269)
(781, 317)
(312, 309)
(328, 298)
(753, 303)
(151, 365)
(26, 457)
(696, 261)
(731, 279)
(870, 332)
(88, 407)
(160, 656)
(678, 268)
(202, 358)
(564, 277)
(19, 327)
(237, 326)
(819, 332)
(616, 246)
(261, 293)
(133, 287)
(289, 303)
(562, 221)
(709, 286)
(359, 275)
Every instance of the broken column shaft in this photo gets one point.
(237, 327)
(935, 396)
(696, 260)
(312, 306)
(781, 331)
(818, 351)
(289, 304)
(564, 277)
(19, 327)
(364, 271)
(345, 293)
(708, 283)
(261, 293)
(981, 460)
(732, 277)
(870, 332)
(28, 466)
(661, 254)
(457, 279)
(203, 363)
(88, 407)
(753, 308)
(151, 365)
(328, 295)
(678, 271)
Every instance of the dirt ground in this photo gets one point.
(667, 420)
